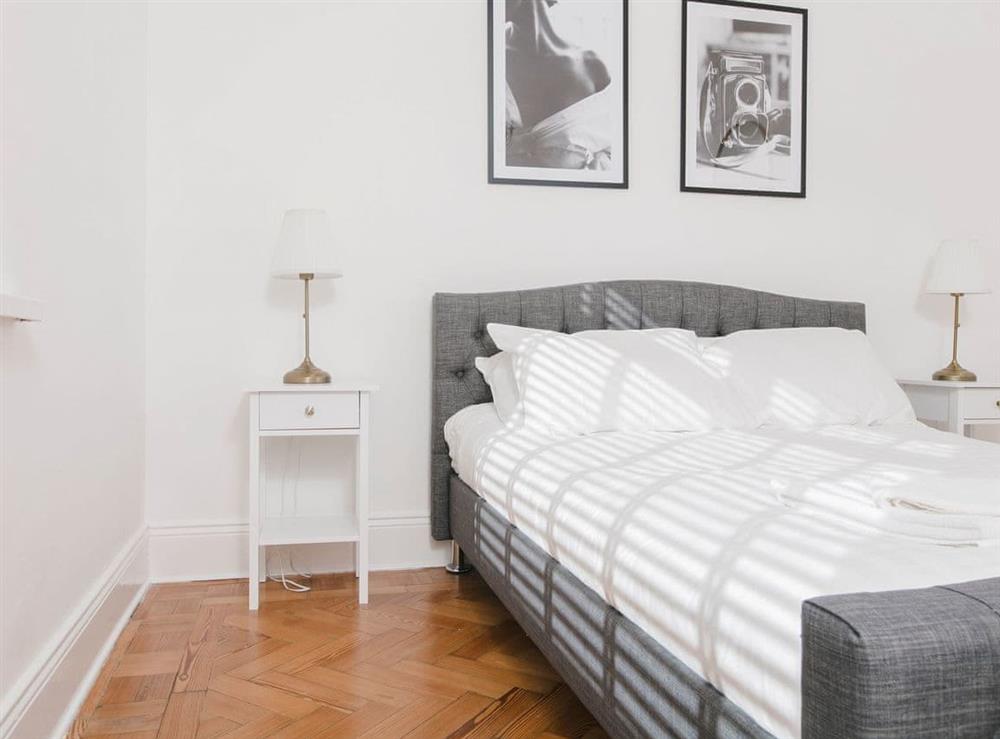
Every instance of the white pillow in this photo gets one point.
(498, 371)
(807, 377)
(650, 380)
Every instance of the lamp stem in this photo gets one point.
(955, 371)
(305, 313)
(954, 336)
(307, 372)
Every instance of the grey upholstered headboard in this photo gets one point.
(710, 310)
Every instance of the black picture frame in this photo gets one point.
(492, 177)
(684, 185)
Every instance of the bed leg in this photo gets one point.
(458, 565)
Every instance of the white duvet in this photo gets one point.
(711, 541)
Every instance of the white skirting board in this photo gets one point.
(217, 550)
(44, 701)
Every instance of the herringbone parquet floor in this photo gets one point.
(432, 655)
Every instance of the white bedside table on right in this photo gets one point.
(957, 405)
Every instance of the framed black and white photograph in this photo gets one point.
(743, 95)
(558, 92)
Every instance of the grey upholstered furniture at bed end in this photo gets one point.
(904, 663)
(917, 663)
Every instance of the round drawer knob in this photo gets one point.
(310, 411)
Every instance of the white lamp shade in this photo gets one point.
(958, 267)
(305, 246)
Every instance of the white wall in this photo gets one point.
(377, 112)
(71, 387)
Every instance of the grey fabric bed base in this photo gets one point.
(907, 664)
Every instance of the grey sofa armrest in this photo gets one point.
(904, 663)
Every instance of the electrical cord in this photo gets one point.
(285, 580)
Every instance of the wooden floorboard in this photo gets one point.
(432, 655)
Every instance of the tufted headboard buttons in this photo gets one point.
(459, 335)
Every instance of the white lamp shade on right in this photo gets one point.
(958, 267)
(305, 246)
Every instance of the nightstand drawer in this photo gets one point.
(309, 411)
(982, 403)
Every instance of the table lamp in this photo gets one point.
(958, 270)
(305, 252)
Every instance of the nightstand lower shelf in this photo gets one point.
(290, 530)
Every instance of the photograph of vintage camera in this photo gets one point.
(744, 84)
(736, 109)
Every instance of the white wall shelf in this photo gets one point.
(20, 308)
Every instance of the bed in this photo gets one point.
(921, 659)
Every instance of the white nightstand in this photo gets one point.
(957, 405)
(335, 409)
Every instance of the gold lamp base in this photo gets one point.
(954, 372)
(306, 373)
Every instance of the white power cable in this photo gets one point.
(286, 582)
(284, 579)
